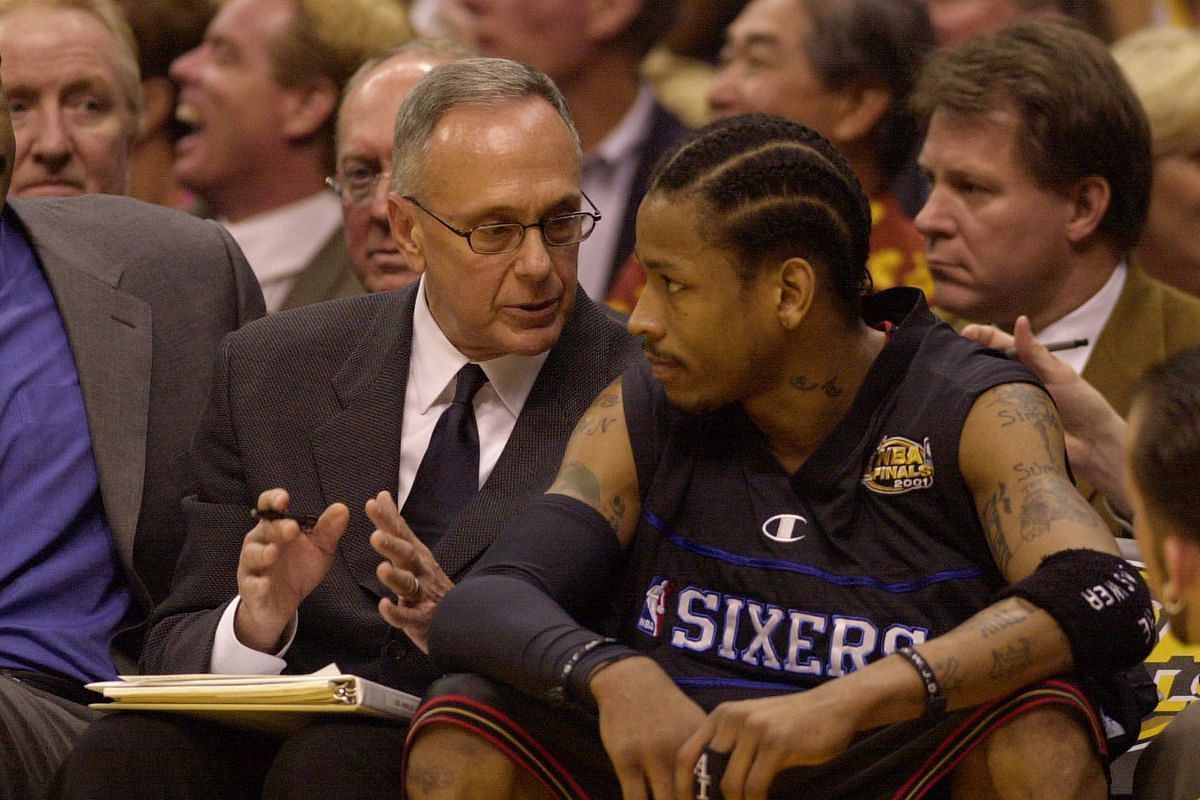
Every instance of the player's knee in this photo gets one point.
(1046, 753)
(448, 763)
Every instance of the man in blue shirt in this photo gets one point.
(107, 338)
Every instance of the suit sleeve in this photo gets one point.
(183, 626)
(249, 294)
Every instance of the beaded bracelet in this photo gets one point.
(935, 700)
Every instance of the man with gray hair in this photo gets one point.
(324, 411)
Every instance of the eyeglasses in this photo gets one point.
(357, 186)
(504, 237)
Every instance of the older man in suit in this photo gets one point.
(107, 340)
(323, 410)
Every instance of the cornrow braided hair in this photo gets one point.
(776, 189)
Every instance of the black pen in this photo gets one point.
(1068, 344)
(306, 521)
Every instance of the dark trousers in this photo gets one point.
(148, 756)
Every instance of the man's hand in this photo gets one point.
(767, 735)
(279, 566)
(644, 718)
(410, 571)
(1094, 432)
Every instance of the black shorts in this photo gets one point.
(560, 746)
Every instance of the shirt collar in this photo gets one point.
(435, 361)
(282, 241)
(622, 142)
(1087, 321)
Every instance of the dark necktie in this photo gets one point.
(448, 476)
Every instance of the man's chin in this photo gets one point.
(53, 189)
(376, 281)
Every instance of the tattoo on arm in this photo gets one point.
(948, 674)
(993, 528)
(608, 400)
(616, 513)
(1046, 502)
(592, 425)
(579, 482)
(1012, 659)
(1008, 615)
(1018, 403)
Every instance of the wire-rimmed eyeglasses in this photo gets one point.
(494, 238)
(357, 186)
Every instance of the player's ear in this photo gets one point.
(797, 283)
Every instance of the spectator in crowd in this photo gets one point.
(844, 69)
(1038, 154)
(326, 409)
(593, 53)
(260, 97)
(71, 70)
(1163, 66)
(107, 340)
(768, 607)
(957, 21)
(163, 30)
(366, 119)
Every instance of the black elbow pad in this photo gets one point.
(1101, 603)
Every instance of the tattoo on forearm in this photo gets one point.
(1046, 502)
(578, 481)
(608, 400)
(1004, 618)
(1019, 403)
(803, 384)
(1012, 659)
(994, 530)
(948, 674)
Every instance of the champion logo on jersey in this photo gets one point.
(785, 528)
(899, 465)
(655, 607)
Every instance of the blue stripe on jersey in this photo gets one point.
(734, 683)
(901, 587)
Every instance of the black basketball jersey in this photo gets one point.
(743, 580)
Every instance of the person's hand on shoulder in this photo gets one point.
(1094, 431)
(279, 566)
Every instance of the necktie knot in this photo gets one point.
(470, 380)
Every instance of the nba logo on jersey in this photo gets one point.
(655, 608)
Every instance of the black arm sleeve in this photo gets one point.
(515, 617)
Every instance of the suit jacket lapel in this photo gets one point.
(329, 275)
(110, 333)
(357, 451)
(1131, 339)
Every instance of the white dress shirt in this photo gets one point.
(1087, 321)
(280, 243)
(433, 366)
(608, 173)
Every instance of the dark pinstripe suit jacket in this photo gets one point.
(311, 400)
